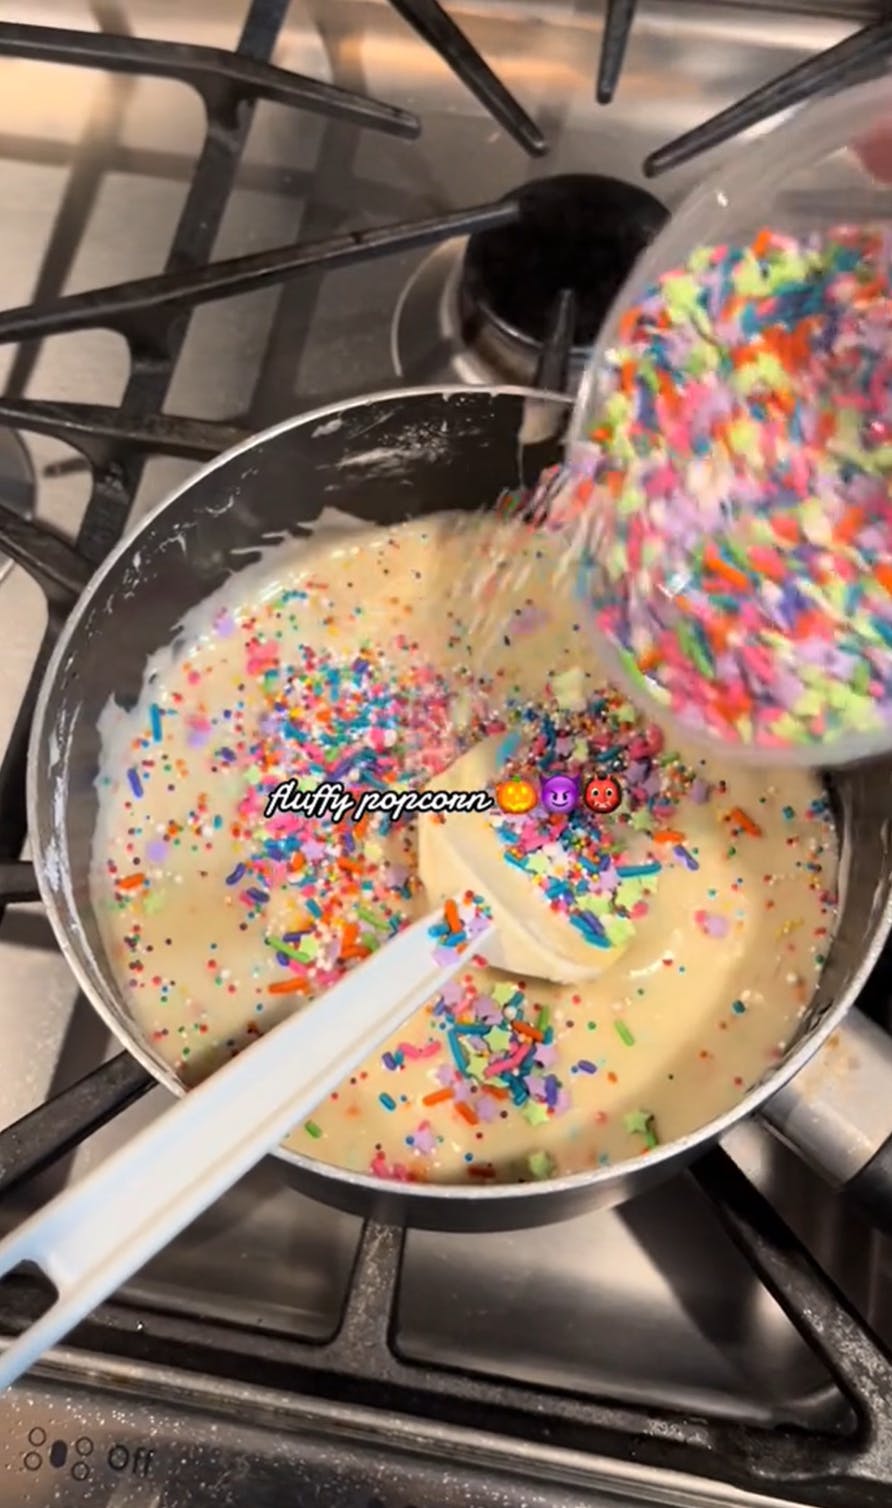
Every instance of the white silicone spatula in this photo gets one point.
(96, 1235)
(458, 851)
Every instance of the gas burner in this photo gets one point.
(17, 485)
(581, 232)
(480, 310)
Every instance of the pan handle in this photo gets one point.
(836, 1113)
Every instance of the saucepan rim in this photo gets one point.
(113, 1010)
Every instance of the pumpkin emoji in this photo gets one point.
(602, 794)
(516, 795)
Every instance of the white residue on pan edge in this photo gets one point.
(330, 521)
(55, 856)
(541, 419)
(382, 459)
(424, 442)
(335, 521)
(330, 427)
(214, 510)
(130, 582)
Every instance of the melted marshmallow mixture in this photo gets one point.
(708, 895)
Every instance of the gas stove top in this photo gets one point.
(279, 1351)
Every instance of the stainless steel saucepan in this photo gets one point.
(385, 459)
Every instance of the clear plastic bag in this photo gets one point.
(810, 183)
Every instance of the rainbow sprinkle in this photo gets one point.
(600, 872)
(741, 560)
(462, 923)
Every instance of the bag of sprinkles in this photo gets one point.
(727, 489)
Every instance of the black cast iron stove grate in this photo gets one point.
(851, 1468)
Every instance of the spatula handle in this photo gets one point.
(94, 1236)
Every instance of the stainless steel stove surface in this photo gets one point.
(277, 1352)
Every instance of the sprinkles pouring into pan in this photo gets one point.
(734, 516)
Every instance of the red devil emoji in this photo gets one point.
(602, 794)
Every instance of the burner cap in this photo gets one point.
(578, 231)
